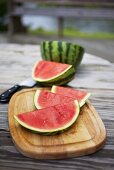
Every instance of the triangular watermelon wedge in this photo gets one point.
(44, 98)
(76, 94)
(50, 120)
(52, 72)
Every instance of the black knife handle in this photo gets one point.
(5, 96)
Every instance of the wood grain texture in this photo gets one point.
(86, 136)
(15, 65)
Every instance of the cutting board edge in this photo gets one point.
(62, 155)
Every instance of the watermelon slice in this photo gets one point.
(44, 98)
(51, 120)
(76, 94)
(49, 73)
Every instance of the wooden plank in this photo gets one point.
(66, 12)
(98, 72)
(15, 65)
(104, 3)
(10, 158)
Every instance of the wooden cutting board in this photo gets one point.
(86, 136)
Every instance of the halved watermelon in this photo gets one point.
(49, 73)
(50, 120)
(63, 52)
(44, 98)
(76, 94)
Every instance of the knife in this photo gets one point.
(5, 96)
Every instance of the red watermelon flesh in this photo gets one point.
(45, 98)
(47, 69)
(76, 94)
(50, 119)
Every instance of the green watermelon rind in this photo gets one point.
(53, 131)
(81, 103)
(58, 82)
(62, 52)
(59, 79)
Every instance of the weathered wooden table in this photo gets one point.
(94, 74)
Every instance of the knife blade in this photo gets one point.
(5, 96)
